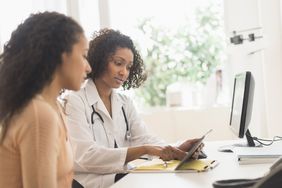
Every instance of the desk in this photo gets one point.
(228, 168)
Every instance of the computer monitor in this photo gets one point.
(241, 109)
(242, 103)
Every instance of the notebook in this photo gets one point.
(157, 165)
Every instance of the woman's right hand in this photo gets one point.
(166, 152)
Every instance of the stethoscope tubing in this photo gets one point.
(93, 113)
(127, 134)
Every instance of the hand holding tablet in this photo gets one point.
(193, 149)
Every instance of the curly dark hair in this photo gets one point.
(103, 45)
(30, 59)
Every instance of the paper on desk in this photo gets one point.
(157, 165)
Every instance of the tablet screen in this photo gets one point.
(192, 150)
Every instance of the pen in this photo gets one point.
(144, 158)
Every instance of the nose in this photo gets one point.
(88, 68)
(124, 71)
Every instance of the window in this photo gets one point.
(89, 16)
(182, 43)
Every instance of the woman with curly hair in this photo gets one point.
(45, 54)
(105, 130)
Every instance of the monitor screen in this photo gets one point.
(242, 102)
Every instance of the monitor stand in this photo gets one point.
(250, 143)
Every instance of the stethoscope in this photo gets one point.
(127, 133)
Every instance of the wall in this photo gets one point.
(174, 124)
(271, 20)
(262, 58)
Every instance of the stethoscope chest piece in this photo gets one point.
(127, 135)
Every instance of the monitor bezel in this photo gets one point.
(243, 127)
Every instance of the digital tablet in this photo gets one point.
(192, 150)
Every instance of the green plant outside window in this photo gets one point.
(192, 53)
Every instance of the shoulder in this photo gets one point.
(37, 108)
(75, 94)
(88, 88)
(38, 117)
(43, 112)
(126, 101)
(75, 97)
(74, 103)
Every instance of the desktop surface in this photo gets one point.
(228, 168)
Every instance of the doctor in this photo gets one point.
(105, 130)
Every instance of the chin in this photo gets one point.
(74, 87)
(117, 86)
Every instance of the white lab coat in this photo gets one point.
(96, 159)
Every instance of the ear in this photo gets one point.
(64, 57)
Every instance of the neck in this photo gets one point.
(103, 90)
(51, 91)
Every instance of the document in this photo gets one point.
(158, 165)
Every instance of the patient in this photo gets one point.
(46, 53)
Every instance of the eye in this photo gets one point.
(129, 67)
(84, 56)
(119, 63)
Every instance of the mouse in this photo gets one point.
(227, 149)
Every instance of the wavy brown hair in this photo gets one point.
(30, 59)
(103, 45)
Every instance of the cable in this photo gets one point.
(271, 141)
(262, 141)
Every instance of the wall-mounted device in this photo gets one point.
(239, 38)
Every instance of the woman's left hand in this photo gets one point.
(188, 144)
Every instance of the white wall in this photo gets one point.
(174, 124)
(271, 20)
(262, 58)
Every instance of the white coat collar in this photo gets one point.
(93, 98)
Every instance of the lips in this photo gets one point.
(119, 80)
(83, 78)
